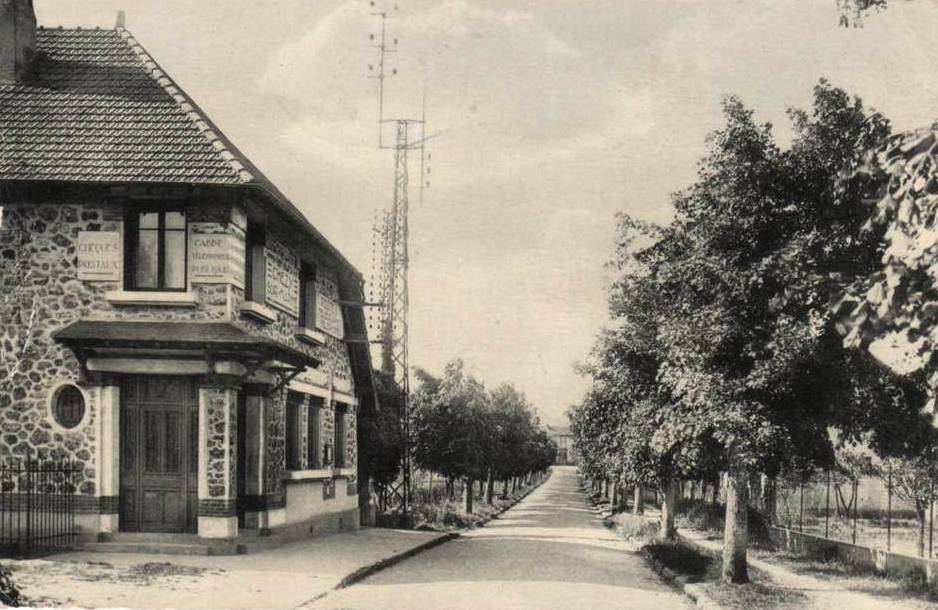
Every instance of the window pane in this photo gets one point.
(314, 455)
(149, 221)
(175, 270)
(145, 270)
(175, 220)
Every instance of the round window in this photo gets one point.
(68, 406)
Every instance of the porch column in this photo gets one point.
(108, 458)
(255, 451)
(218, 414)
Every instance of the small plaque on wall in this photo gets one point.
(328, 311)
(100, 256)
(283, 278)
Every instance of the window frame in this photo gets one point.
(132, 241)
(293, 432)
(255, 263)
(314, 452)
(339, 425)
(308, 296)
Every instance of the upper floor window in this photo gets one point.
(308, 296)
(155, 250)
(255, 280)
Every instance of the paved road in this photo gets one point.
(549, 551)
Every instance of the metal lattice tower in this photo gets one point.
(392, 254)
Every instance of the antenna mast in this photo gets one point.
(389, 284)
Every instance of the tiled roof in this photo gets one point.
(97, 108)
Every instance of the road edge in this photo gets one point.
(693, 591)
(371, 569)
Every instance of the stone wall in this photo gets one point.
(39, 279)
(39, 282)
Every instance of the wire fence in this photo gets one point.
(868, 511)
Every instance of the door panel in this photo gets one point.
(159, 455)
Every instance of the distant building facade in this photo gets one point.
(178, 327)
(566, 452)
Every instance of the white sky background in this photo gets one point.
(555, 114)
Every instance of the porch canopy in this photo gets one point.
(209, 341)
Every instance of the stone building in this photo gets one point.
(168, 318)
(566, 452)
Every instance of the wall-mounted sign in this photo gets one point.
(100, 256)
(283, 278)
(216, 256)
(328, 310)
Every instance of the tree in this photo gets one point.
(382, 447)
(895, 302)
(912, 480)
(450, 425)
(749, 375)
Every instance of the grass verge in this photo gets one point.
(692, 565)
(914, 587)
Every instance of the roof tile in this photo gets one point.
(98, 108)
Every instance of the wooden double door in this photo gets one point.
(159, 454)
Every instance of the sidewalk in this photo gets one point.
(284, 577)
(823, 593)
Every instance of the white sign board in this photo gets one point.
(100, 256)
(328, 311)
(215, 255)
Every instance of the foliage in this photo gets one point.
(462, 431)
(9, 594)
(852, 12)
(724, 354)
(896, 301)
(382, 448)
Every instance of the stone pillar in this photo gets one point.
(275, 460)
(108, 458)
(218, 415)
(255, 438)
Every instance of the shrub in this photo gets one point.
(9, 594)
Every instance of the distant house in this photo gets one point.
(566, 452)
(191, 339)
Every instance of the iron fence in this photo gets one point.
(37, 505)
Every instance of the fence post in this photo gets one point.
(29, 502)
(827, 507)
(889, 509)
(801, 508)
(856, 502)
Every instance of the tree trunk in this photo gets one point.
(668, 508)
(755, 489)
(614, 502)
(489, 488)
(736, 530)
(716, 491)
(467, 495)
(505, 487)
(638, 501)
(770, 499)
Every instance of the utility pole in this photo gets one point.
(391, 272)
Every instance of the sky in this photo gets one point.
(551, 116)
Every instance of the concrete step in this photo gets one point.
(165, 547)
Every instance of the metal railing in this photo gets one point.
(37, 505)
